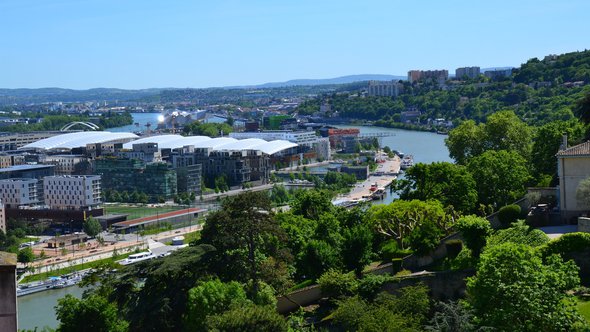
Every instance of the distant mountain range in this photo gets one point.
(43, 95)
(324, 81)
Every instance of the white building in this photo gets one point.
(19, 192)
(383, 88)
(72, 192)
(302, 138)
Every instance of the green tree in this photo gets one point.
(505, 131)
(474, 231)
(242, 229)
(548, 139)
(451, 184)
(465, 141)
(519, 233)
(92, 227)
(211, 298)
(357, 248)
(500, 176)
(248, 318)
(317, 257)
(25, 255)
(93, 313)
(399, 219)
(514, 290)
(311, 204)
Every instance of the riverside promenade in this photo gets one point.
(385, 173)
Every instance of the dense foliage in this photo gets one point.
(57, 121)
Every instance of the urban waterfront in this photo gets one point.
(37, 309)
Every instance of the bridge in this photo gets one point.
(86, 124)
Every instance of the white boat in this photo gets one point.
(407, 162)
(136, 258)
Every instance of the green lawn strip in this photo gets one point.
(583, 308)
(74, 268)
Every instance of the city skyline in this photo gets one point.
(134, 45)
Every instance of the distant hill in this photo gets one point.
(44, 95)
(327, 81)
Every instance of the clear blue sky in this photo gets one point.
(201, 43)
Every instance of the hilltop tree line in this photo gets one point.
(476, 99)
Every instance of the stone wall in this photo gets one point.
(8, 304)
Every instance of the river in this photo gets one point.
(37, 309)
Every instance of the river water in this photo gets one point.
(38, 309)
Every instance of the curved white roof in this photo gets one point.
(76, 140)
(273, 147)
(80, 139)
(243, 144)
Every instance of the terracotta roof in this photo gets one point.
(576, 150)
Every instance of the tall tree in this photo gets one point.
(243, 228)
(399, 219)
(446, 182)
(548, 139)
(92, 227)
(465, 141)
(500, 176)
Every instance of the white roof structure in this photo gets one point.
(216, 144)
(78, 139)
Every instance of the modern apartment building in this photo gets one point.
(498, 73)
(383, 88)
(72, 192)
(67, 164)
(11, 160)
(154, 179)
(16, 193)
(469, 72)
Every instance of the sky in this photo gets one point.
(133, 44)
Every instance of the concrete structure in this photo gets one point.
(67, 164)
(94, 150)
(15, 141)
(439, 76)
(573, 166)
(469, 72)
(412, 116)
(383, 88)
(11, 160)
(147, 152)
(302, 138)
(26, 171)
(76, 192)
(15, 193)
(8, 303)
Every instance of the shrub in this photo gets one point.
(518, 233)
(509, 214)
(336, 284)
(474, 231)
(371, 285)
(390, 251)
(567, 243)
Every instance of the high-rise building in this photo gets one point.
(383, 88)
(469, 72)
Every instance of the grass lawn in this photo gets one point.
(135, 212)
(584, 308)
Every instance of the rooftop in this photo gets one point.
(24, 168)
(582, 149)
(77, 140)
